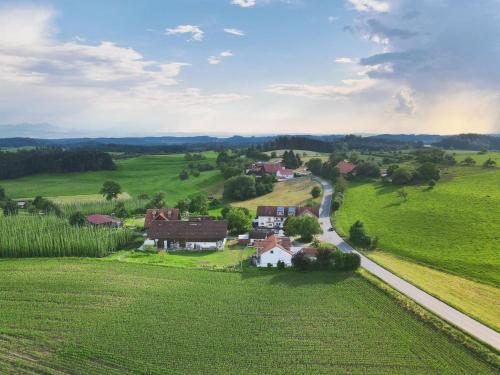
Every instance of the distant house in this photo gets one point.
(161, 214)
(346, 168)
(104, 220)
(284, 174)
(273, 250)
(274, 217)
(261, 168)
(254, 235)
(194, 234)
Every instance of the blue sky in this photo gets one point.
(251, 66)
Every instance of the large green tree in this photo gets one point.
(239, 220)
(110, 190)
(305, 226)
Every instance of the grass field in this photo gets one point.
(454, 227)
(286, 193)
(478, 300)
(143, 174)
(83, 316)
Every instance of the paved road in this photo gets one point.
(446, 312)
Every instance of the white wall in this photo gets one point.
(270, 221)
(273, 256)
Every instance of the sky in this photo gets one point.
(223, 67)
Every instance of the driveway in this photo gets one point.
(441, 309)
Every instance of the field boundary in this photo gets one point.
(485, 352)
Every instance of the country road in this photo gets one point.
(441, 309)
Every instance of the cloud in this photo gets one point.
(237, 32)
(244, 3)
(332, 19)
(405, 103)
(216, 60)
(196, 33)
(370, 5)
(345, 60)
(348, 87)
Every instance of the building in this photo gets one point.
(284, 174)
(310, 252)
(194, 234)
(161, 214)
(256, 234)
(103, 220)
(274, 217)
(273, 250)
(346, 168)
(261, 168)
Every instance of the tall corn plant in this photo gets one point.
(49, 236)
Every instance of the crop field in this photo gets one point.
(454, 227)
(88, 316)
(481, 301)
(49, 236)
(286, 193)
(143, 174)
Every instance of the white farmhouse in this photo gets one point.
(273, 250)
(274, 217)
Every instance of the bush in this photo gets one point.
(316, 192)
(352, 261)
(402, 176)
(357, 235)
(77, 219)
(368, 169)
(240, 188)
(184, 175)
(280, 265)
(427, 171)
(300, 261)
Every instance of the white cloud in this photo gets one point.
(348, 87)
(345, 60)
(370, 5)
(237, 32)
(244, 3)
(405, 104)
(196, 33)
(216, 60)
(332, 19)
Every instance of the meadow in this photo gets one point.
(49, 236)
(88, 316)
(143, 174)
(454, 227)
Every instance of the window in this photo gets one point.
(272, 251)
(280, 211)
(291, 211)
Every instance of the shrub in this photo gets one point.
(368, 169)
(427, 171)
(184, 175)
(300, 261)
(315, 191)
(240, 188)
(352, 261)
(402, 176)
(77, 219)
(280, 265)
(357, 235)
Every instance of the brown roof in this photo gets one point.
(260, 234)
(345, 167)
(102, 219)
(271, 242)
(195, 231)
(273, 211)
(309, 251)
(161, 214)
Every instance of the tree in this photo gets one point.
(305, 226)
(340, 185)
(280, 265)
(468, 161)
(10, 207)
(2, 194)
(351, 262)
(110, 190)
(391, 169)
(223, 158)
(368, 169)
(120, 210)
(300, 261)
(274, 155)
(403, 194)
(199, 204)
(41, 204)
(428, 171)
(239, 220)
(183, 205)
(158, 200)
(401, 176)
(357, 235)
(230, 171)
(77, 219)
(490, 163)
(291, 160)
(315, 191)
(240, 188)
(354, 157)
(184, 175)
(323, 258)
(314, 165)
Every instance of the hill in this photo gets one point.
(470, 142)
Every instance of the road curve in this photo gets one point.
(441, 309)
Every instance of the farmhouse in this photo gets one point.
(165, 214)
(103, 220)
(346, 168)
(273, 250)
(193, 234)
(274, 216)
(284, 174)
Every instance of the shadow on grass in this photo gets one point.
(394, 204)
(294, 278)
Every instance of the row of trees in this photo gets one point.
(426, 173)
(291, 160)
(327, 259)
(25, 163)
(244, 187)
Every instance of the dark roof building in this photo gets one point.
(161, 214)
(285, 211)
(188, 231)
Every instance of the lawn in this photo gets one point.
(454, 227)
(481, 301)
(294, 192)
(88, 316)
(143, 174)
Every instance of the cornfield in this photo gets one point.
(50, 236)
(102, 207)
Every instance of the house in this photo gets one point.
(274, 216)
(284, 174)
(194, 234)
(310, 252)
(257, 234)
(161, 214)
(261, 168)
(273, 250)
(103, 220)
(346, 168)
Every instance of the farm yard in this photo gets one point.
(82, 316)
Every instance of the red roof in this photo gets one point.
(272, 242)
(101, 219)
(345, 167)
(161, 214)
(310, 251)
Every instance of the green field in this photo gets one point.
(89, 316)
(143, 174)
(454, 227)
